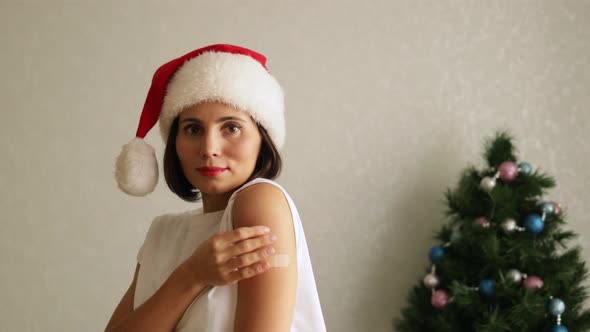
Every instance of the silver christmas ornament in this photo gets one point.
(430, 281)
(509, 225)
(514, 275)
(556, 307)
(487, 183)
(548, 207)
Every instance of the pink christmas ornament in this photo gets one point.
(557, 207)
(483, 222)
(508, 171)
(533, 282)
(440, 299)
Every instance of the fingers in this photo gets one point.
(243, 252)
(243, 233)
(258, 256)
(250, 245)
(248, 272)
(240, 234)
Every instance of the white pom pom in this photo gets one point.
(136, 169)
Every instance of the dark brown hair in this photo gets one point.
(268, 164)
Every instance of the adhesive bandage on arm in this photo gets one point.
(279, 261)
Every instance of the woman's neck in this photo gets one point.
(215, 202)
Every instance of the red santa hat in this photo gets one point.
(225, 73)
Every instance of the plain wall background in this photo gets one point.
(387, 101)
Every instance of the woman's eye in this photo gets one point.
(233, 128)
(192, 130)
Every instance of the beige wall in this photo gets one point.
(387, 101)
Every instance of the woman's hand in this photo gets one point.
(226, 258)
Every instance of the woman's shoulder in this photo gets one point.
(261, 188)
(263, 203)
(261, 196)
(261, 191)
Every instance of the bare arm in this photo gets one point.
(126, 304)
(266, 302)
(163, 310)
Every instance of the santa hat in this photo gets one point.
(225, 73)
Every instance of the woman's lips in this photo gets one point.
(211, 171)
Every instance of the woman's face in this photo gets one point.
(217, 146)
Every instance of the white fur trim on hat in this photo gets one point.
(234, 79)
(136, 169)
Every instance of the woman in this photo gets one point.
(221, 115)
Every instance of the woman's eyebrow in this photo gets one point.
(226, 118)
(222, 119)
(190, 120)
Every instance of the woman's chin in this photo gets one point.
(217, 185)
(213, 189)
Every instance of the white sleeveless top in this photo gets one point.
(172, 238)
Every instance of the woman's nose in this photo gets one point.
(210, 146)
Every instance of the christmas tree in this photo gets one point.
(504, 262)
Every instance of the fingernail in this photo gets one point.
(270, 251)
(273, 238)
(265, 229)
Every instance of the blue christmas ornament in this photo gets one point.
(559, 328)
(525, 168)
(556, 306)
(436, 253)
(548, 207)
(534, 223)
(486, 287)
